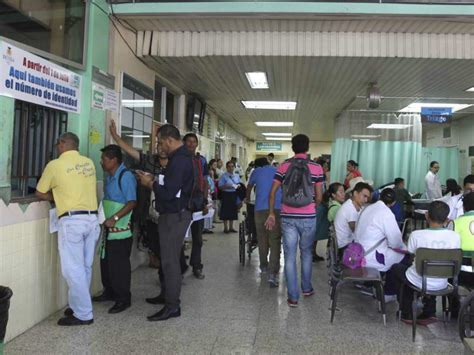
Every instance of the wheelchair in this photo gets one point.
(247, 238)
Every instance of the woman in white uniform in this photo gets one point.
(377, 229)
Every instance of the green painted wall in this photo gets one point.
(89, 125)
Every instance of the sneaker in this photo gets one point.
(292, 303)
(390, 298)
(273, 281)
(308, 293)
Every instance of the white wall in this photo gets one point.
(462, 136)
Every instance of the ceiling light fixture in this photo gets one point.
(366, 136)
(416, 106)
(275, 134)
(471, 89)
(389, 126)
(270, 105)
(137, 103)
(273, 124)
(257, 80)
(278, 138)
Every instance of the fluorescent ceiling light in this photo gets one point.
(389, 126)
(270, 105)
(273, 124)
(416, 106)
(278, 138)
(365, 136)
(137, 103)
(277, 134)
(257, 80)
(138, 135)
(470, 89)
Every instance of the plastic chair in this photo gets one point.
(434, 263)
(339, 274)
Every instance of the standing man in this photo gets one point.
(270, 158)
(237, 168)
(70, 182)
(120, 198)
(301, 180)
(268, 240)
(432, 184)
(191, 142)
(172, 197)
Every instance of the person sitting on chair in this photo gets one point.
(435, 237)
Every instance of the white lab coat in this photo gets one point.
(432, 186)
(377, 222)
(455, 205)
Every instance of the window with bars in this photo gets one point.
(36, 130)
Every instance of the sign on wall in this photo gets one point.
(25, 76)
(436, 114)
(269, 147)
(104, 96)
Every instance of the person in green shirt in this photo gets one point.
(334, 197)
(464, 225)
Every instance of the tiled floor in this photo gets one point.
(233, 311)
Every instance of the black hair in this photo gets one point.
(70, 138)
(433, 163)
(468, 179)
(468, 202)
(271, 155)
(112, 151)
(438, 211)
(260, 162)
(169, 131)
(332, 189)
(352, 163)
(300, 143)
(453, 187)
(212, 161)
(387, 196)
(190, 135)
(398, 181)
(229, 162)
(363, 186)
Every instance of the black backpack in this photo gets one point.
(297, 187)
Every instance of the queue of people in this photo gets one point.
(292, 205)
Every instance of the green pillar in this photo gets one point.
(7, 108)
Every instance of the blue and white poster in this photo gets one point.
(436, 114)
(25, 76)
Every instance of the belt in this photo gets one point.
(74, 213)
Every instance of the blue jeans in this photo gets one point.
(77, 240)
(294, 231)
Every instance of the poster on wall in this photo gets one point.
(269, 147)
(25, 76)
(104, 96)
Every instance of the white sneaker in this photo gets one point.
(390, 298)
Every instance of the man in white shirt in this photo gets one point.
(435, 237)
(378, 232)
(432, 184)
(346, 217)
(458, 209)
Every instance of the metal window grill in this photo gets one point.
(36, 130)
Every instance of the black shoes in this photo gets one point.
(119, 307)
(102, 298)
(198, 274)
(164, 314)
(160, 299)
(68, 312)
(71, 321)
(317, 258)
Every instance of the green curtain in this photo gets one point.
(382, 161)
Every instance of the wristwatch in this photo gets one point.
(116, 218)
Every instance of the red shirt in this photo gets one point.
(355, 173)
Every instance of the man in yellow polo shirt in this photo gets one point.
(70, 182)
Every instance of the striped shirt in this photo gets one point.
(317, 177)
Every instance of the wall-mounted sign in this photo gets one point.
(436, 114)
(25, 76)
(269, 147)
(104, 96)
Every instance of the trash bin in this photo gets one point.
(5, 295)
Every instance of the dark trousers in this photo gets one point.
(172, 229)
(196, 233)
(429, 303)
(116, 270)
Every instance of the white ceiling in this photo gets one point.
(322, 86)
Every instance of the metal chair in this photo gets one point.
(339, 274)
(434, 263)
(407, 227)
